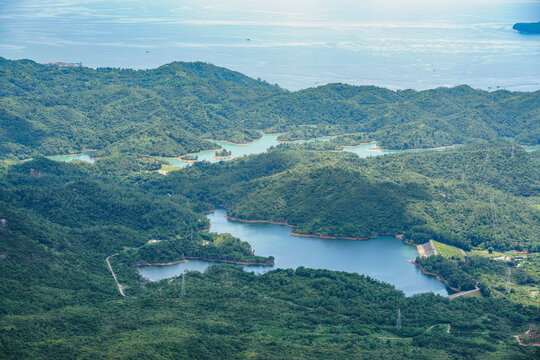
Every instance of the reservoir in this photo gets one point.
(268, 140)
(85, 156)
(384, 258)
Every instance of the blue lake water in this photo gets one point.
(384, 258)
(297, 44)
(268, 140)
(85, 156)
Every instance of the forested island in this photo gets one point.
(72, 234)
(223, 154)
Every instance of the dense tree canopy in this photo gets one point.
(59, 222)
(169, 111)
(477, 196)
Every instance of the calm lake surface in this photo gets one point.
(267, 140)
(415, 44)
(383, 258)
(85, 156)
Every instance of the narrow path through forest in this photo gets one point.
(120, 288)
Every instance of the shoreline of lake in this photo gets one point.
(317, 137)
(417, 149)
(257, 221)
(385, 258)
(397, 236)
(233, 143)
(436, 276)
(363, 143)
(187, 258)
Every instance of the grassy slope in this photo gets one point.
(448, 251)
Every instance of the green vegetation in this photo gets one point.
(169, 111)
(190, 157)
(448, 251)
(470, 197)
(352, 140)
(449, 271)
(218, 247)
(168, 168)
(236, 136)
(307, 132)
(492, 277)
(60, 221)
(314, 145)
(59, 299)
(223, 153)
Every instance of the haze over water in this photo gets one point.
(396, 44)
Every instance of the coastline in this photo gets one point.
(437, 276)
(273, 133)
(397, 236)
(316, 137)
(80, 154)
(179, 158)
(187, 258)
(232, 143)
(259, 221)
(413, 149)
(364, 143)
(144, 263)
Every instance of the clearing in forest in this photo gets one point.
(449, 251)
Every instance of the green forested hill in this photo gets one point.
(59, 300)
(477, 196)
(60, 221)
(168, 111)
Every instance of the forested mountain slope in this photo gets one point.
(59, 300)
(168, 111)
(476, 196)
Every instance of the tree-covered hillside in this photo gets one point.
(478, 196)
(169, 111)
(60, 221)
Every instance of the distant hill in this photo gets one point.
(527, 28)
(170, 110)
(486, 187)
